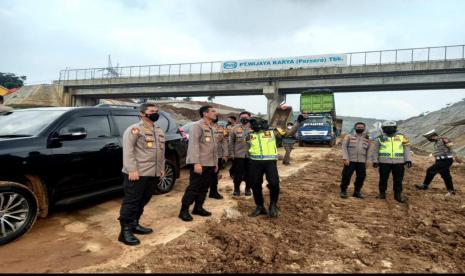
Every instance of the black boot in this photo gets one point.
(421, 187)
(141, 230)
(260, 210)
(398, 197)
(382, 196)
(237, 190)
(358, 194)
(215, 195)
(248, 191)
(184, 213)
(343, 194)
(198, 210)
(126, 236)
(273, 210)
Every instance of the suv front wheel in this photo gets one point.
(167, 183)
(18, 211)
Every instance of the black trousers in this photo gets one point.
(441, 166)
(268, 168)
(348, 171)
(214, 184)
(136, 195)
(397, 174)
(240, 172)
(198, 186)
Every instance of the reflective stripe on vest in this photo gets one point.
(263, 146)
(391, 147)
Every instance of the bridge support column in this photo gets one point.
(83, 101)
(274, 99)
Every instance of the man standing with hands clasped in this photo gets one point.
(202, 155)
(143, 165)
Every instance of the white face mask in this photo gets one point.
(289, 127)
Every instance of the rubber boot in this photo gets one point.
(126, 236)
(259, 210)
(198, 210)
(141, 230)
(184, 213)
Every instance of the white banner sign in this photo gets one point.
(283, 63)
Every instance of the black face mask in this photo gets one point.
(153, 117)
(229, 123)
(244, 120)
(359, 130)
(215, 120)
(390, 130)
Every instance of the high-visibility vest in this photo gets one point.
(392, 147)
(262, 146)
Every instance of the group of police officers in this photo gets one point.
(391, 154)
(251, 144)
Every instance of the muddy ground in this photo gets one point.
(316, 230)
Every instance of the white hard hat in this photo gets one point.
(389, 124)
(430, 133)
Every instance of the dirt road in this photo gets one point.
(83, 237)
(316, 231)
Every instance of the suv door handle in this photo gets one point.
(111, 146)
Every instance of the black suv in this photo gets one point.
(56, 156)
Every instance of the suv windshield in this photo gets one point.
(27, 122)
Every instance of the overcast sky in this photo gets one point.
(40, 38)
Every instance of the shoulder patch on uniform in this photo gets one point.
(135, 130)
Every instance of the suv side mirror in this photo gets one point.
(73, 134)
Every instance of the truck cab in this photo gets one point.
(318, 128)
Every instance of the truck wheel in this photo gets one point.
(18, 211)
(166, 184)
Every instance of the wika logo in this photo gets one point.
(230, 65)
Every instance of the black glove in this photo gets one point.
(408, 164)
(301, 118)
(375, 165)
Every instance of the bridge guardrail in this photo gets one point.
(408, 55)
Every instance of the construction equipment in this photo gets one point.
(322, 126)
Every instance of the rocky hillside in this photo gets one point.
(448, 121)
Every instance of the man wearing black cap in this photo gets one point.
(444, 155)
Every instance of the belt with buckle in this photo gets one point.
(444, 157)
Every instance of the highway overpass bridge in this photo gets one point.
(386, 70)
